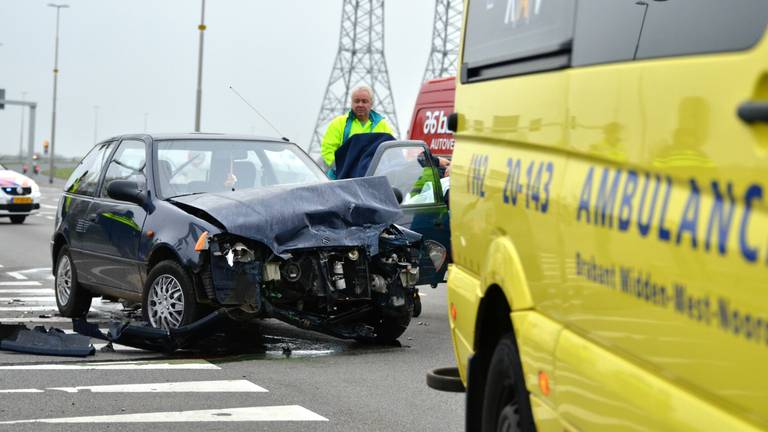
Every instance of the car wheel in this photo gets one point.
(394, 317)
(18, 219)
(72, 299)
(169, 299)
(506, 405)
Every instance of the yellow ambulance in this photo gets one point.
(610, 215)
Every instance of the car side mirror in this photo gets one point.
(398, 195)
(125, 190)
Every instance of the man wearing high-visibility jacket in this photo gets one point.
(360, 119)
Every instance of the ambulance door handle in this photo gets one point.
(753, 112)
(93, 217)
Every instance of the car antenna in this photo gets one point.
(257, 112)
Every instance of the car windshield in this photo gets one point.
(187, 167)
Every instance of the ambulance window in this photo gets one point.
(513, 37)
(681, 27)
(606, 31)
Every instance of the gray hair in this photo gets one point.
(362, 87)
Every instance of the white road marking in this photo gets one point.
(35, 270)
(45, 299)
(35, 320)
(22, 391)
(16, 275)
(248, 414)
(27, 308)
(26, 290)
(132, 365)
(224, 386)
(48, 206)
(49, 217)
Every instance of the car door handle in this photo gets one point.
(93, 217)
(753, 112)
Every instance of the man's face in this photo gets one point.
(361, 104)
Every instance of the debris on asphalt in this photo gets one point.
(149, 338)
(52, 341)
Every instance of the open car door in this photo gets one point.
(409, 167)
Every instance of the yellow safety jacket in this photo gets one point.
(344, 126)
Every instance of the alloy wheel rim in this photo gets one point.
(64, 280)
(165, 305)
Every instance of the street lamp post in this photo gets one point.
(201, 27)
(55, 84)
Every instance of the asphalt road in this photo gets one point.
(278, 378)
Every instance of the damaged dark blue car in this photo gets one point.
(196, 223)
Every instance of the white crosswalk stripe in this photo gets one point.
(222, 386)
(249, 414)
(28, 291)
(27, 308)
(35, 299)
(129, 365)
(35, 320)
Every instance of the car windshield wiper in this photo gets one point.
(186, 194)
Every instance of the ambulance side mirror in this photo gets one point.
(453, 122)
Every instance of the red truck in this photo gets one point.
(430, 116)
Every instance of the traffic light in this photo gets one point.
(45, 147)
(2, 97)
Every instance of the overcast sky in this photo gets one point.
(137, 59)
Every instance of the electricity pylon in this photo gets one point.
(445, 39)
(359, 60)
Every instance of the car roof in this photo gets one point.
(200, 135)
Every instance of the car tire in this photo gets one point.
(18, 219)
(506, 403)
(169, 298)
(72, 299)
(393, 319)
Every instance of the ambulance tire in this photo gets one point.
(506, 403)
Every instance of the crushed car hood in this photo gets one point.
(340, 213)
